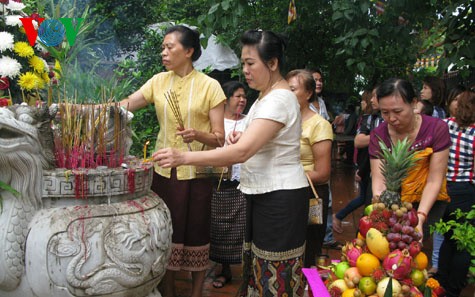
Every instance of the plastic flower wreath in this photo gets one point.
(24, 72)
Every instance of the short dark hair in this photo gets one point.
(232, 86)
(396, 86)
(189, 38)
(437, 87)
(269, 45)
(454, 92)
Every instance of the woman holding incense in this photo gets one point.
(315, 155)
(228, 205)
(190, 109)
(272, 178)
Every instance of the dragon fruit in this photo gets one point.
(351, 252)
(398, 264)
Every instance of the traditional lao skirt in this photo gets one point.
(276, 225)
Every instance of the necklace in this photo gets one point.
(270, 89)
(414, 124)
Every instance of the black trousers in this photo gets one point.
(454, 263)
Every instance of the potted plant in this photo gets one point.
(463, 232)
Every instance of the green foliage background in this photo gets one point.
(350, 41)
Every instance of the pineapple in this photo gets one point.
(395, 166)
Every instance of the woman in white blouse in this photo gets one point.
(272, 177)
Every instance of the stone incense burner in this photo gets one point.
(96, 231)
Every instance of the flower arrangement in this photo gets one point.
(24, 70)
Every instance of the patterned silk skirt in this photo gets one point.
(189, 202)
(228, 219)
(276, 225)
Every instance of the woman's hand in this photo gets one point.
(419, 227)
(189, 135)
(233, 137)
(168, 158)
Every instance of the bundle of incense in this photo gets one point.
(175, 107)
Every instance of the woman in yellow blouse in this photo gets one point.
(315, 155)
(201, 103)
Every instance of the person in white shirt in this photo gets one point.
(272, 177)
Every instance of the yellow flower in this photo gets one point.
(432, 283)
(57, 65)
(23, 49)
(45, 77)
(37, 64)
(40, 83)
(57, 69)
(28, 81)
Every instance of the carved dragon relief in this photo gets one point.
(135, 250)
(23, 156)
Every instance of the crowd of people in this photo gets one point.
(257, 214)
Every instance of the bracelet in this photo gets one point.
(422, 214)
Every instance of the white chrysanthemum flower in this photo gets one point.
(13, 5)
(9, 67)
(13, 20)
(6, 41)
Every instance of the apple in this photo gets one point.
(368, 209)
(364, 225)
(417, 277)
(340, 269)
(367, 285)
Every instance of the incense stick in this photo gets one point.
(175, 107)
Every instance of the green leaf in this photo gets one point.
(225, 5)
(213, 8)
(428, 292)
(389, 288)
(337, 15)
(360, 32)
(8, 188)
(361, 66)
(364, 42)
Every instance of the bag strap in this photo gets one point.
(311, 185)
(217, 139)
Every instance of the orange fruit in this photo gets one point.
(348, 293)
(420, 261)
(367, 263)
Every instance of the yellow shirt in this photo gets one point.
(197, 94)
(314, 129)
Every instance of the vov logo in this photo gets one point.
(51, 32)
